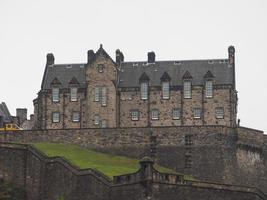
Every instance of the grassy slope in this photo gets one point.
(84, 158)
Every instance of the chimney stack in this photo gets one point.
(119, 57)
(151, 57)
(50, 59)
(90, 56)
(22, 115)
(231, 55)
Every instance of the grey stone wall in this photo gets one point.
(54, 178)
(217, 153)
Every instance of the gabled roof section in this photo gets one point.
(144, 77)
(64, 74)
(55, 81)
(74, 81)
(187, 75)
(208, 75)
(130, 72)
(101, 52)
(165, 77)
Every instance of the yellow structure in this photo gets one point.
(10, 127)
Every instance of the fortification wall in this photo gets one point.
(54, 178)
(214, 153)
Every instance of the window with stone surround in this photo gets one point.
(104, 96)
(144, 90)
(73, 93)
(96, 120)
(219, 112)
(135, 115)
(97, 93)
(188, 140)
(209, 89)
(104, 123)
(176, 113)
(197, 113)
(55, 94)
(187, 89)
(100, 68)
(166, 90)
(155, 114)
(55, 117)
(75, 116)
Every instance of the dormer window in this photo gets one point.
(55, 94)
(144, 80)
(165, 90)
(209, 89)
(187, 89)
(73, 94)
(144, 90)
(165, 82)
(187, 85)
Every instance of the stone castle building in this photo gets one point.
(103, 93)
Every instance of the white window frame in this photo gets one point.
(219, 112)
(155, 114)
(55, 94)
(144, 90)
(97, 93)
(197, 113)
(103, 123)
(209, 89)
(75, 116)
(134, 115)
(55, 117)
(104, 96)
(73, 94)
(187, 89)
(176, 113)
(97, 120)
(166, 90)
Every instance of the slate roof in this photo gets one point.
(4, 112)
(130, 72)
(65, 73)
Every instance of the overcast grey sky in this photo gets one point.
(178, 29)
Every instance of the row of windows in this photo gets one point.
(73, 94)
(101, 92)
(187, 89)
(176, 113)
(56, 117)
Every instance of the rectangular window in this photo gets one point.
(197, 113)
(208, 89)
(155, 114)
(97, 93)
(144, 90)
(188, 140)
(188, 161)
(100, 68)
(55, 94)
(187, 89)
(135, 115)
(55, 117)
(97, 119)
(75, 116)
(165, 90)
(219, 111)
(176, 113)
(104, 96)
(103, 124)
(73, 94)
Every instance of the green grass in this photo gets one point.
(84, 158)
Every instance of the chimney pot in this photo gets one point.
(151, 57)
(90, 56)
(50, 59)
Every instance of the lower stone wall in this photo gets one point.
(54, 178)
(214, 153)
